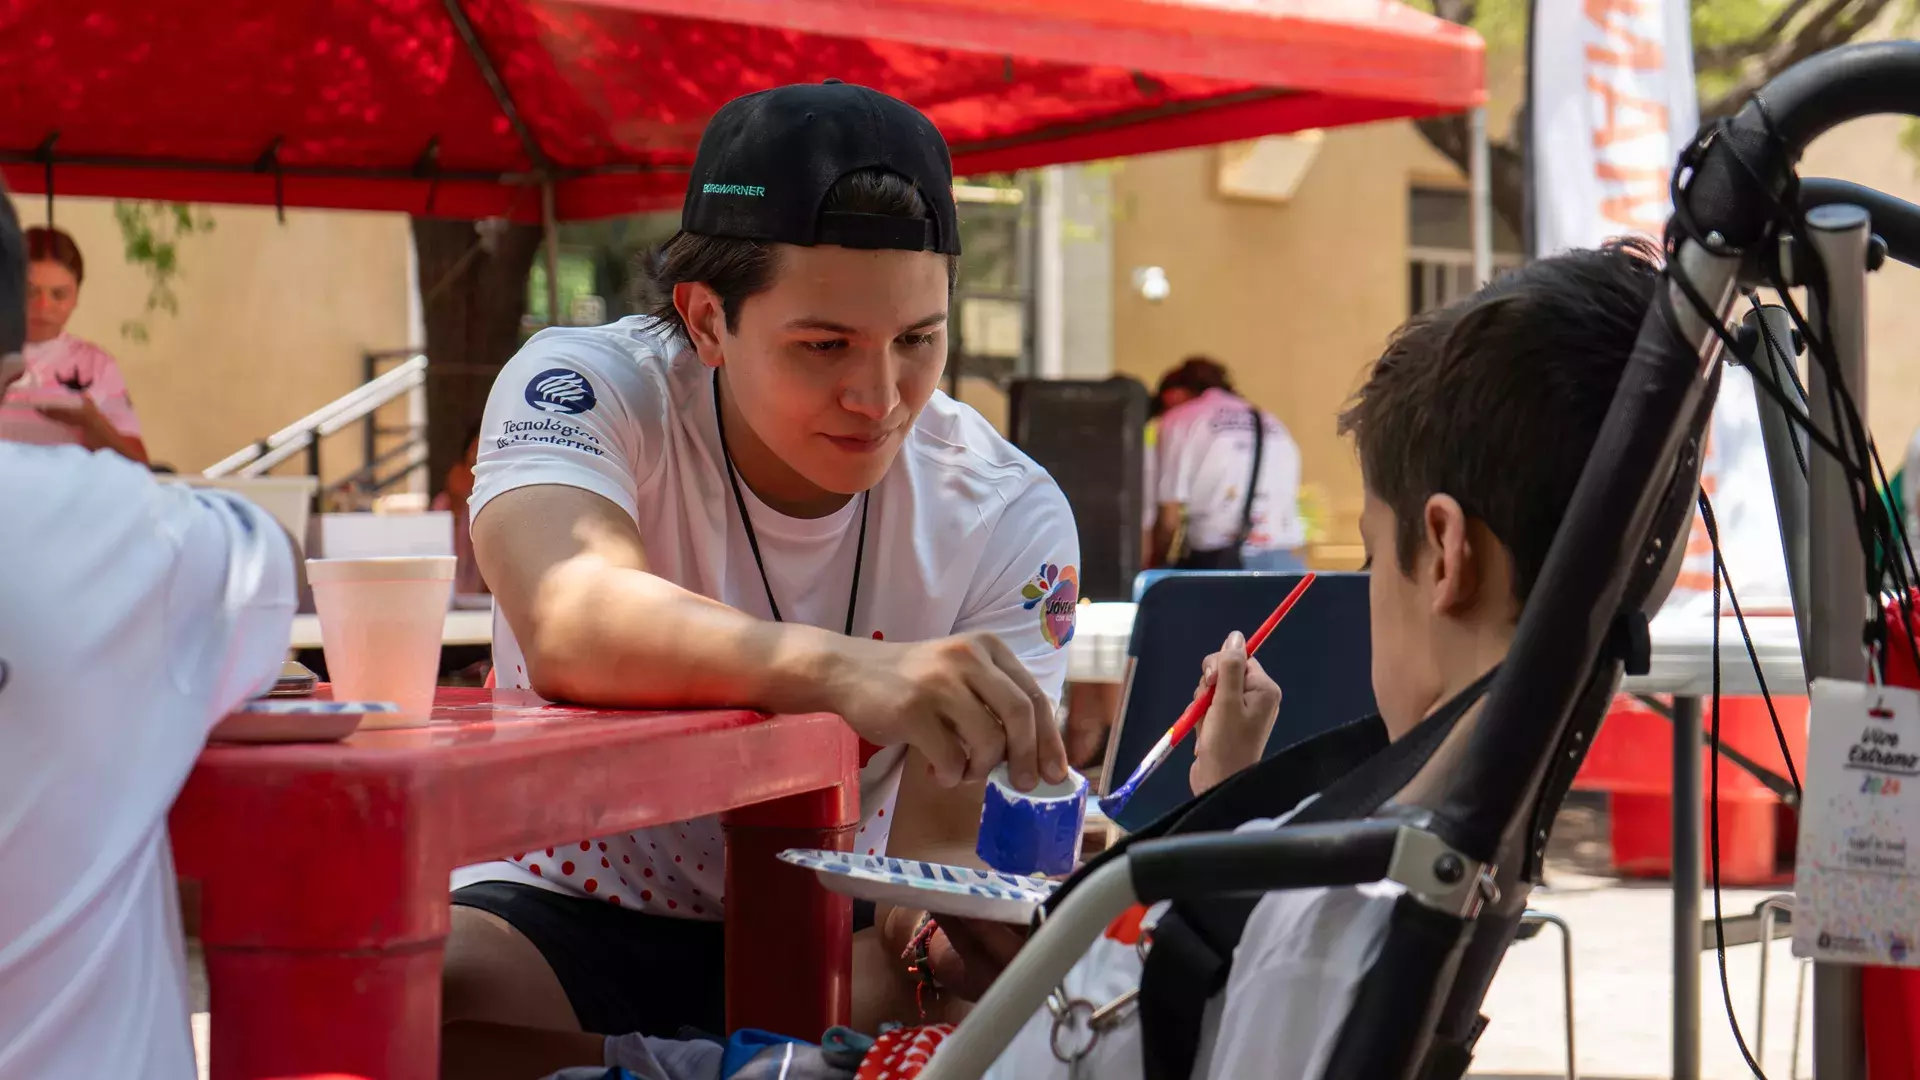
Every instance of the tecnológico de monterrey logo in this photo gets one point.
(558, 390)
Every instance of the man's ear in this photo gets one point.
(705, 317)
(1450, 549)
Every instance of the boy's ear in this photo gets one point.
(1451, 546)
(700, 309)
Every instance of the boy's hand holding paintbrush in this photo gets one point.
(1114, 801)
(1233, 733)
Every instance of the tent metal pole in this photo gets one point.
(1837, 235)
(1480, 205)
(471, 39)
(1050, 281)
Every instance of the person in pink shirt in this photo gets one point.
(72, 391)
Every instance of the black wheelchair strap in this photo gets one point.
(1193, 942)
(1449, 1059)
(1425, 939)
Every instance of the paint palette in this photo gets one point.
(937, 887)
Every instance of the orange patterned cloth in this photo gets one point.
(900, 1054)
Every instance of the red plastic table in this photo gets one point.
(323, 868)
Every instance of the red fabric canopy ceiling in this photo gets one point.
(387, 104)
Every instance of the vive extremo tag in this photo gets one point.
(1857, 876)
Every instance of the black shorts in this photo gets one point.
(623, 970)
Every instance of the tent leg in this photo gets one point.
(1480, 203)
(550, 222)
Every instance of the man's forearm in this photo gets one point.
(127, 446)
(604, 635)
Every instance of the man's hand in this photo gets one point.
(968, 954)
(966, 702)
(95, 430)
(84, 416)
(1233, 734)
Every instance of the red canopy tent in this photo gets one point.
(474, 108)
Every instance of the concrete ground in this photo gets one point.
(1622, 978)
(1623, 999)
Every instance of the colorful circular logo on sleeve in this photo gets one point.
(558, 390)
(1055, 590)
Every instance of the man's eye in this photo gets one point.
(831, 345)
(919, 341)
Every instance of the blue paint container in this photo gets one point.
(1035, 832)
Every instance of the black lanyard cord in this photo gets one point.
(753, 540)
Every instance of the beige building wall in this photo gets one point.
(1868, 152)
(1295, 298)
(272, 323)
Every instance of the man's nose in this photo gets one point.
(875, 391)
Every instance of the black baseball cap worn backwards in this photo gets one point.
(767, 161)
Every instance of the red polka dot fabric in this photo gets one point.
(681, 864)
(696, 885)
(900, 1054)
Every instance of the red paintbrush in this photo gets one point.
(1111, 804)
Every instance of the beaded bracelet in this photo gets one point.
(920, 964)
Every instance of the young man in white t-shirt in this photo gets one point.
(1204, 460)
(133, 616)
(757, 497)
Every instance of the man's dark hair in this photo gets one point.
(1496, 400)
(48, 244)
(737, 269)
(1196, 375)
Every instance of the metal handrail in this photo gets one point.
(353, 406)
(412, 455)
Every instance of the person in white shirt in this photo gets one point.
(133, 616)
(757, 496)
(1205, 456)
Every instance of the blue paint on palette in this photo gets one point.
(916, 874)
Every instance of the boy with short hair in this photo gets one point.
(1472, 428)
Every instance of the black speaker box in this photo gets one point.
(1088, 435)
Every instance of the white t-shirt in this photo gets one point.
(133, 616)
(1205, 457)
(964, 533)
(1296, 973)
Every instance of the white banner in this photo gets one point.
(1613, 103)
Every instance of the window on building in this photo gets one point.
(991, 335)
(1440, 248)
